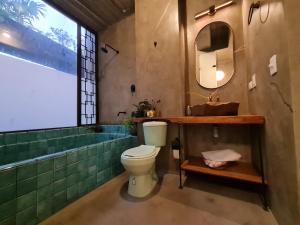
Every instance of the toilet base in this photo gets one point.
(142, 185)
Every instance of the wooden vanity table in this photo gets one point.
(241, 171)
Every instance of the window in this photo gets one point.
(40, 83)
(88, 77)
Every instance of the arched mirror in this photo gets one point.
(214, 55)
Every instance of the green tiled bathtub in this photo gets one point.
(42, 172)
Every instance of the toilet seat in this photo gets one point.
(140, 152)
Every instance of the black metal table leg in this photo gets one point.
(180, 158)
(263, 188)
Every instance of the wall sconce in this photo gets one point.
(213, 9)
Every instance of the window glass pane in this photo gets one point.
(34, 31)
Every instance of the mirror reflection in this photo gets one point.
(214, 55)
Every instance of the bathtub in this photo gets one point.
(43, 171)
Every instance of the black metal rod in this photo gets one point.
(180, 155)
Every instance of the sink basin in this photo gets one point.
(216, 109)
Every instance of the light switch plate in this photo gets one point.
(273, 65)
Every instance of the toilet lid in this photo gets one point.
(141, 151)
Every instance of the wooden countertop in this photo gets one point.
(241, 119)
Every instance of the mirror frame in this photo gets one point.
(234, 60)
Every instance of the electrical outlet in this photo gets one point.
(253, 81)
(250, 85)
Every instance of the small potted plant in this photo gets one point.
(131, 126)
(146, 109)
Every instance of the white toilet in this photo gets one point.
(140, 161)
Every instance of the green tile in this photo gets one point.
(60, 174)
(8, 209)
(82, 188)
(107, 158)
(11, 153)
(51, 134)
(45, 165)
(2, 139)
(100, 148)
(60, 185)
(59, 200)
(72, 179)
(26, 216)
(9, 221)
(60, 162)
(23, 137)
(40, 135)
(7, 193)
(52, 142)
(92, 170)
(91, 182)
(2, 154)
(26, 201)
(72, 168)
(92, 161)
(72, 157)
(45, 179)
(92, 151)
(107, 174)
(82, 169)
(72, 192)
(106, 146)
(100, 178)
(23, 151)
(44, 209)
(82, 154)
(26, 171)
(26, 186)
(10, 138)
(45, 192)
(7, 177)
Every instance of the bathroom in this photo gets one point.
(65, 148)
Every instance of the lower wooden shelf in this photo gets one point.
(238, 171)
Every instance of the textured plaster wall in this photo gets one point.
(272, 98)
(158, 68)
(117, 72)
(292, 15)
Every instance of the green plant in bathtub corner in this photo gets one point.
(131, 126)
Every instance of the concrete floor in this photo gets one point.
(199, 202)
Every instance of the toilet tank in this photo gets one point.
(155, 133)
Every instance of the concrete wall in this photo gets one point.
(272, 98)
(159, 68)
(117, 72)
(292, 15)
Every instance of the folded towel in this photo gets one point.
(226, 155)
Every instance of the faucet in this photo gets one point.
(213, 95)
(121, 113)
